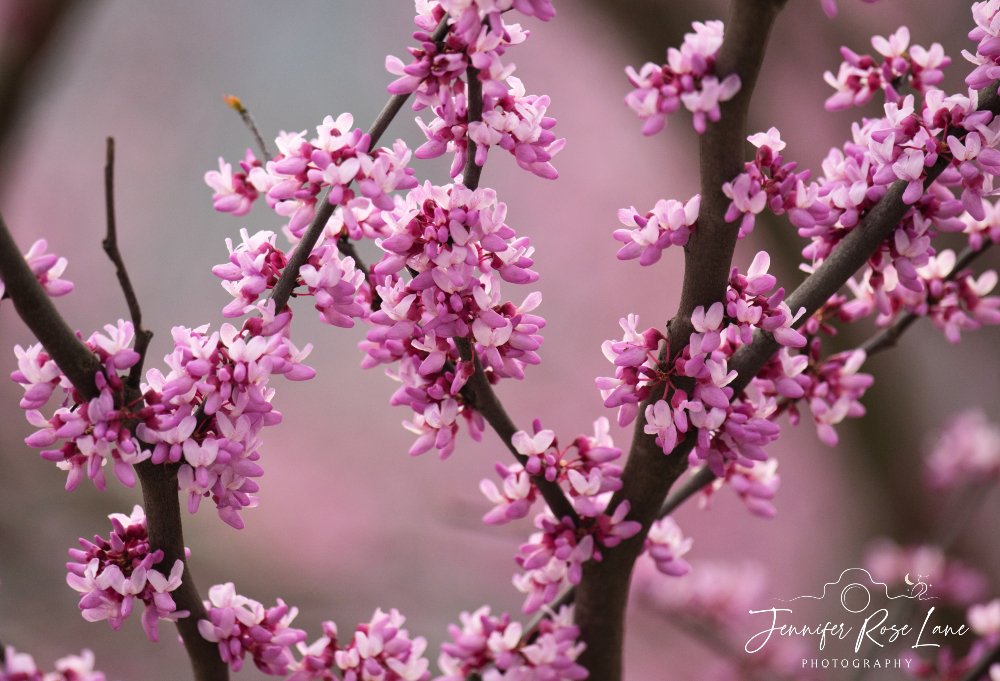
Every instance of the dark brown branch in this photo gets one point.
(472, 171)
(290, 275)
(890, 336)
(110, 244)
(166, 533)
(602, 595)
(236, 105)
(24, 50)
(479, 394)
(159, 483)
(36, 309)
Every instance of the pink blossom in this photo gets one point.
(223, 377)
(111, 574)
(241, 626)
(47, 268)
(233, 193)
(446, 256)
(21, 667)
(687, 78)
(860, 76)
(670, 223)
(967, 452)
(666, 545)
(92, 432)
(493, 648)
(554, 557)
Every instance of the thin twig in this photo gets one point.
(110, 244)
(290, 274)
(479, 394)
(890, 336)
(346, 246)
(236, 104)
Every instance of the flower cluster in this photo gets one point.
(554, 556)
(92, 432)
(241, 626)
(331, 161)
(688, 78)
(380, 649)
(769, 182)
(474, 47)
(697, 376)
(255, 266)
(47, 268)
(113, 573)
(670, 223)
(955, 300)
(455, 246)
(17, 666)
(586, 473)
(207, 412)
(968, 452)
(667, 545)
(493, 648)
(585, 470)
(987, 55)
(756, 486)
(861, 76)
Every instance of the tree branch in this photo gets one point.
(159, 483)
(480, 395)
(110, 244)
(236, 104)
(166, 533)
(890, 336)
(39, 313)
(290, 275)
(602, 595)
(474, 101)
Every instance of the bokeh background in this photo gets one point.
(347, 521)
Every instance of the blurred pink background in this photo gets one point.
(347, 521)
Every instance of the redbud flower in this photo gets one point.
(241, 626)
(491, 647)
(47, 268)
(111, 574)
(21, 667)
(687, 78)
(967, 452)
(666, 545)
(93, 432)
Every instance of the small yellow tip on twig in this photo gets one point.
(234, 103)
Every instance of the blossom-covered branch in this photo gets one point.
(603, 593)
(159, 484)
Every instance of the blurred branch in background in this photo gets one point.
(28, 29)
